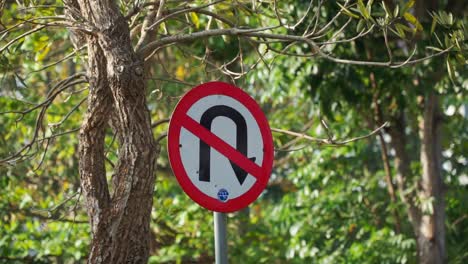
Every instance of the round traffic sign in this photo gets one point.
(220, 147)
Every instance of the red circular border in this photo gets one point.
(173, 141)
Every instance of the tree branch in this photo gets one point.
(258, 32)
(11, 42)
(63, 85)
(327, 141)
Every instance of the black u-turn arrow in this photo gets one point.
(241, 140)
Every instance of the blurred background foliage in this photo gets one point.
(324, 204)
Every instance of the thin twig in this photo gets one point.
(257, 33)
(56, 62)
(327, 141)
(64, 84)
(57, 124)
(161, 137)
(11, 42)
(160, 122)
(187, 10)
(43, 155)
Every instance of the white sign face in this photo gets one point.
(220, 147)
(222, 175)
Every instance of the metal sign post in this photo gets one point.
(220, 235)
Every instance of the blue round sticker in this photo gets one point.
(223, 195)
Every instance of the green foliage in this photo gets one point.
(323, 204)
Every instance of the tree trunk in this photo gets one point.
(377, 119)
(120, 221)
(403, 172)
(427, 219)
(431, 239)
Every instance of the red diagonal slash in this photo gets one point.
(222, 147)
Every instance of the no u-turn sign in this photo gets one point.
(220, 147)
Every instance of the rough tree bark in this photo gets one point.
(120, 221)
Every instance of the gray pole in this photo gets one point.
(220, 235)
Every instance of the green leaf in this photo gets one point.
(461, 59)
(434, 48)
(360, 25)
(400, 30)
(434, 24)
(396, 12)
(443, 18)
(384, 6)
(413, 20)
(446, 41)
(363, 9)
(438, 39)
(369, 6)
(41, 55)
(407, 6)
(347, 12)
(449, 69)
(405, 28)
(195, 20)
